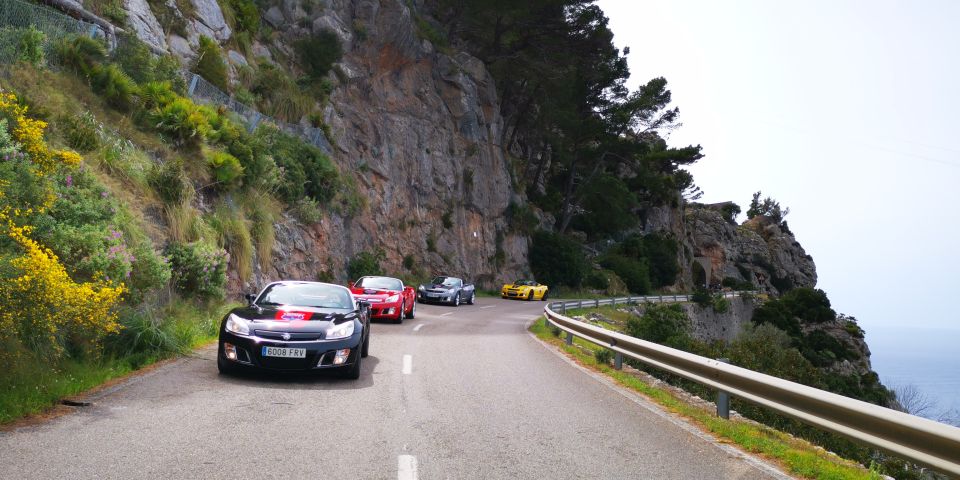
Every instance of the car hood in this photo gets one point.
(439, 287)
(294, 319)
(373, 293)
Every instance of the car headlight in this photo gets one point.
(421, 288)
(343, 330)
(237, 325)
(393, 298)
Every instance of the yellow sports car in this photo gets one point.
(525, 289)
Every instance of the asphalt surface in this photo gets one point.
(476, 397)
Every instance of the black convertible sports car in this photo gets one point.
(296, 326)
(444, 289)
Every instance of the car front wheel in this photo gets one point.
(224, 366)
(353, 371)
(456, 300)
(413, 311)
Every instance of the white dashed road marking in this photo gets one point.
(407, 364)
(446, 314)
(417, 328)
(406, 467)
(488, 306)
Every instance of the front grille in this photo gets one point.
(294, 337)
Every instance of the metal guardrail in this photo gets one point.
(920, 440)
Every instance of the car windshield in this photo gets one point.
(525, 283)
(446, 281)
(379, 283)
(317, 295)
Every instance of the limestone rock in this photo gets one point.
(209, 20)
(145, 24)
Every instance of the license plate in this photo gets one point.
(284, 352)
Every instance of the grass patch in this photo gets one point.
(797, 456)
(34, 385)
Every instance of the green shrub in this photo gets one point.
(117, 88)
(729, 212)
(431, 243)
(22, 45)
(317, 54)
(307, 210)
(720, 304)
(609, 207)
(198, 269)
(634, 273)
(134, 57)
(210, 63)
(81, 53)
(664, 324)
(154, 95)
(557, 260)
(447, 219)
(246, 14)
(170, 182)
(596, 279)
(234, 235)
(183, 121)
(226, 168)
(737, 285)
(408, 262)
(365, 263)
(520, 217)
(81, 132)
(701, 297)
(603, 356)
(307, 171)
(149, 272)
(167, 68)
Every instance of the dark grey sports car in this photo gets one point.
(444, 289)
(296, 326)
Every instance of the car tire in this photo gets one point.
(544, 297)
(224, 366)
(456, 300)
(413, 311)
(530, 296)
(353, 371)
(400, 314)
(473, 296)
(365, 349)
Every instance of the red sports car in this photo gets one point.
(389, 298)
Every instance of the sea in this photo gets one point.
(925, 357)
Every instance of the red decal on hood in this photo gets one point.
(287, 315)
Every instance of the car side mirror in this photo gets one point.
(250, 298)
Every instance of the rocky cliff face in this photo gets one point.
(759, 251)
(418, 128)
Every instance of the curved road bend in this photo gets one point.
(455, 393)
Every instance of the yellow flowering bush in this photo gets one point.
(28, 132)
(42, 305)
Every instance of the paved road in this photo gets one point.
(455, 393)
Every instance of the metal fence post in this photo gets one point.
(563, 308)
(193, 84)
(618, 361)
(569, 338)
(92, 31)
(255, 121)
(596, 303)
(613, 301)
(580, 304)
(723, 398)
(661, 299)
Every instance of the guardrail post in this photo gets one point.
(569, 338)
(563, 308)
(596, 303)
(613, 302)
(661, 299)
(580, 304)
(723, 398)
(674, 298)
(618, 361)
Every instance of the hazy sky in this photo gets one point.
(844, 111)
